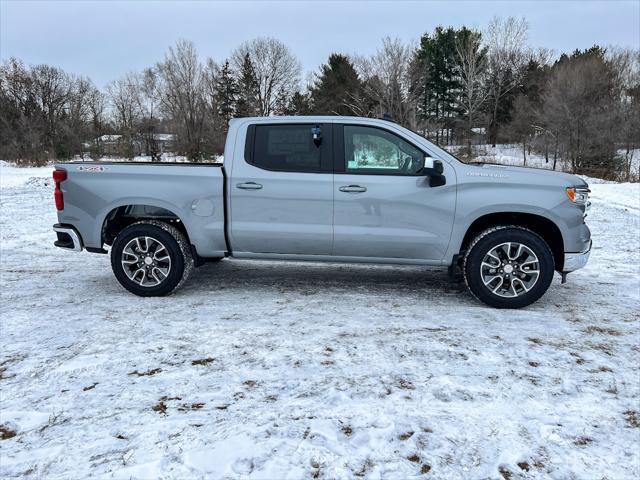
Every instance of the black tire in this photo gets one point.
(177, 248)
(488, 240)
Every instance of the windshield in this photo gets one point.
(433, 146)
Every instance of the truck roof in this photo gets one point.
(310, 119)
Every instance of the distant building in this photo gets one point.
(165, 142)
(110, 144)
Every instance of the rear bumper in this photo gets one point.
(68, 237)
(575, 261)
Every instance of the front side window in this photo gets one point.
(286, 148)
(376, 151)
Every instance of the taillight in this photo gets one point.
(59, 176)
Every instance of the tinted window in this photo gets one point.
(373, 150)
(286, 147)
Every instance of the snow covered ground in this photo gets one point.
(260, 370)
(507, 154)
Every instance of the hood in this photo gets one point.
(526, 175)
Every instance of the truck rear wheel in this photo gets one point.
(508, 267)
(151, 258)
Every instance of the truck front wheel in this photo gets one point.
(151, 258)
(508, 267)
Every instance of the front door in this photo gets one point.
(384, 207)
(281, 191)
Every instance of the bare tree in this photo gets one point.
(580, 107)
(387, 80)
(148, 94)
(625, 70)
(276, 70)
(181, 92)
(98, 119)
(52, 88)
(506, 56)
(471, 56)
(123, 94)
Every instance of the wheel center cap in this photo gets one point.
(148, 260)
(508, 268)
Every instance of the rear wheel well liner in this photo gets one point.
(121, 217)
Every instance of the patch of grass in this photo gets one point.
(405, 436)
(523, 466)
(406, 384)
(535, 340)
(425, 469)
(414, 458)
(222, 407)
(148, 373)
(534, 364)
(90, 387)
(632, 418)
(203, 361)
(185, 407)
(160, 408)
(347, 430)
(315, 473)
(250, 383)
(6, 433)
(603, 331)
(583, 441)
(164, 398)
(366, 467)
(54, 419)
(506, 474)
(603, 347)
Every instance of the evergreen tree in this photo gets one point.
(226, 93)
(298, 104)
(336, 87)
(438, 86)
(247, 103)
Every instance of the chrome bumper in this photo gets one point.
(68, 238)
(575, 261)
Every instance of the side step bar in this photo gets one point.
(68, 237)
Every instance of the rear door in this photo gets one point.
(281, 190)
(384, 206)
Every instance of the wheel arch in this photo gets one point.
(121, 216)
(543, 226)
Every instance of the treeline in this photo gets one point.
(459, 87)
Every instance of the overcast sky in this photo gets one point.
(105, 39)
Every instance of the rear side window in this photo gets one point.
(286, 148)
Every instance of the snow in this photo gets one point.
(287, 370)
(511, 154)
(165, 157)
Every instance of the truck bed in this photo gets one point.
(192, 192)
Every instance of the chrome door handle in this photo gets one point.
(353, 189)
(249, 186)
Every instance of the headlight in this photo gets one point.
(579, 195)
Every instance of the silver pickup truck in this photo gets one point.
(328, 189)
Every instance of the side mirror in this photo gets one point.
(432, 167)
